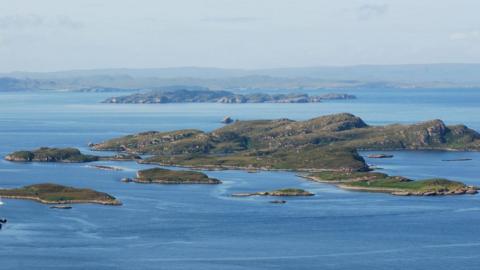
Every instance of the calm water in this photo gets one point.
(202, 227)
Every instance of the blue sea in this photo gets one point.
(202, 226)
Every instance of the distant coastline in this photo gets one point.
(209, 96)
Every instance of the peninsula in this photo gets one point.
(204, 96)
(164, 176)
(58, 194)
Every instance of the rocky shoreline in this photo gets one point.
(32, 198)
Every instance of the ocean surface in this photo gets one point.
(201, 226)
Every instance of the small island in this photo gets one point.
(164, 176)
(395, 185)
(65, 155)
(58, 194)
(204, 96)
(286, 192)
(46, 154)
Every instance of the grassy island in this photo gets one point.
(164, 176)
(66, 155)
(286, 192)
(58, 194)
(396, 185)
(323, 143)
(46, 154)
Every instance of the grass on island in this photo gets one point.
(340, 176)
(382, 182)
(290, 192)
(428, 185)
(327, 142)
(46, 154)
(283, 159)
(53, 193)
(279, 192)
(159, 175)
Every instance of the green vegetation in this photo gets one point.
(46, 154)
(328, 142)
(419, 186)
(279, 192)
(396, 185)
(290, 192)
(67, 155)
(164, 176)
(58, 194)
(339, 176)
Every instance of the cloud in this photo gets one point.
(36, 21)
(468, 35)
(369, 11)
(230, 19)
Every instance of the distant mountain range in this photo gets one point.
(405, 76)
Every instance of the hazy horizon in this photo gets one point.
(236, 68)
(55, 35)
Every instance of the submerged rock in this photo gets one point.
(61, 207)
(278, 201)
(380, 156)
(457, 159)
(126, 180)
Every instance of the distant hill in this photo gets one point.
(406, 76)
(454, 73)
(9, 84)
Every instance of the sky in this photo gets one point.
(53, 35)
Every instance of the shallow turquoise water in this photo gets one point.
(202, 227)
